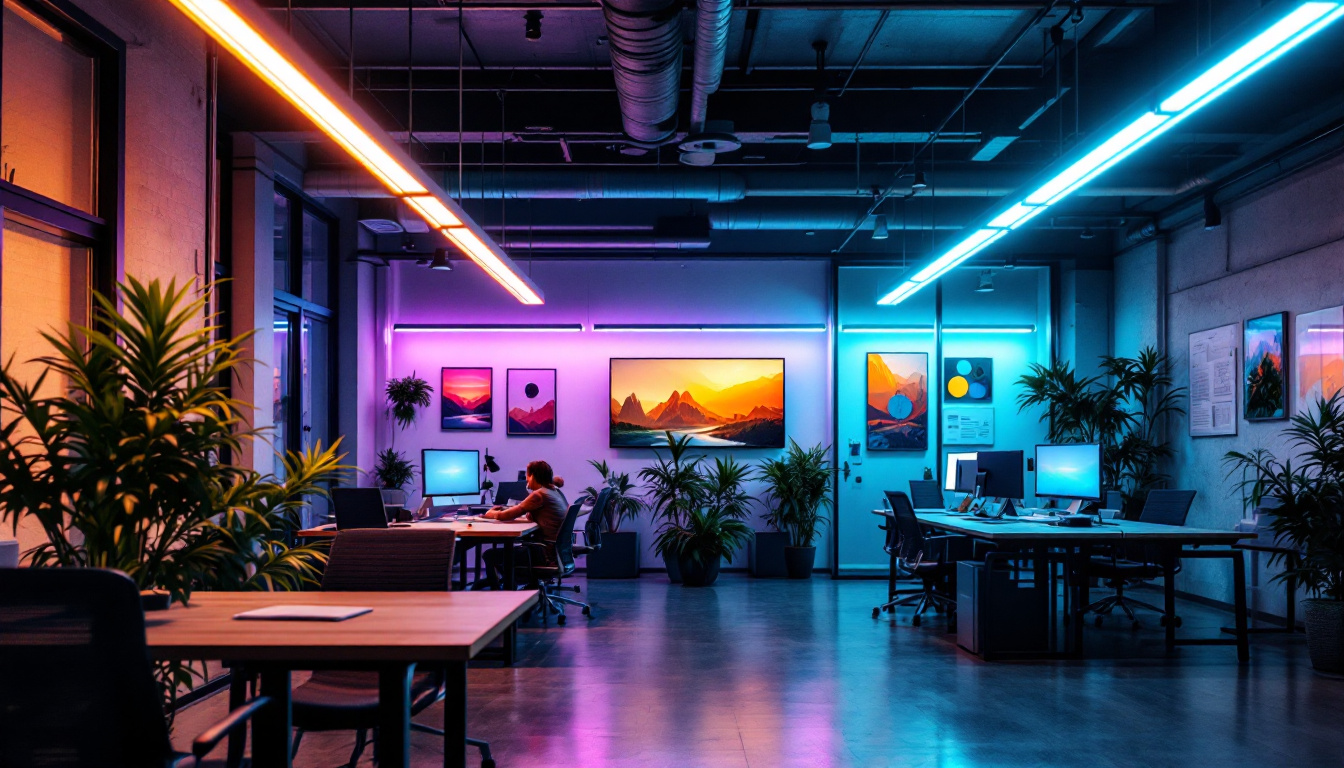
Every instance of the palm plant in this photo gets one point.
(675, 484)
(798, 492)
(715, 525)
(1123, 408)
(623, 502)
(124, 469)
(393, 471)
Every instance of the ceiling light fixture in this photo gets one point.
(819, 130)
(532, 25)
(440, 261)
(487, 328)
(920, 182)
(1305, 20)
(986, 282)
(245, 30)
(989, 329)
(880, 230)
(709, 328)
(1087, 234)
(886, 329)
(1213, 215)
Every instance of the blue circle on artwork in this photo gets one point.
(900, 407)
(964, 367)
(977, 391)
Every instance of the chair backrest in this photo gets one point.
(390, 560)
(592, 530)
(511, 491)
(1167, 507)
(76, 686)
(910, 536)
(564, 539)
(1114, 500)
(358, 508)
(926, 494)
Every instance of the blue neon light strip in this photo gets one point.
(1303, 22)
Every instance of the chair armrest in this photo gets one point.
(211, 736)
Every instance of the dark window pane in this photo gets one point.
(283, 238)
(316, 252)
(281, 393)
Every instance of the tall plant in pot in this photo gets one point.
(713, 529)
(125, 467)
(619, 556)
(674, 487)
(404, 397)
(798, 496)
(1309, 489)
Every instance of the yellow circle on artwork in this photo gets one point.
(957, 386)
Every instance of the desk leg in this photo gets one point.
(1239, 601)
(510, 635)
(455, 715)
(891, 577)
(394, 716)
(1169, 557)
(1082, 594)
(272, 725)
(466, 551)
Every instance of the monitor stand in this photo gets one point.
(1074, 507)
(1008, 509)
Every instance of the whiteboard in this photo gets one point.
(1215, 377)
(967, 425)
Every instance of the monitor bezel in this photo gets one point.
(424, 477)
(1021, 470)
(1036, 481)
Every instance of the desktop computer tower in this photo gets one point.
(999, 616)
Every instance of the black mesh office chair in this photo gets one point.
(1132, 564)
(358, 508)
(551, 577)
(592, 530)
(392, 560)
(926, 494)
(76, 686)
(914, 554)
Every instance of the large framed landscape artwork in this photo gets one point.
(898, 401)
(718, 402)
(531, 401)
(1266, 382)
(464, 399)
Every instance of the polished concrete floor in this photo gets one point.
(773, 673)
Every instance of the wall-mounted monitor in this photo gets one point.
(718, 402)
(450, 472)
(1069, 471)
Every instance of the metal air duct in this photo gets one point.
(646, 42)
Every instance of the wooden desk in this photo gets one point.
(1175, 542)
(442, 629)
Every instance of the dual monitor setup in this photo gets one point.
(1062, 472)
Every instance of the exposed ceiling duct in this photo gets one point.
(646, 42)
(711, 43)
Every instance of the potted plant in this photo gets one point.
(1309, 490)
(712, 528)
(673, 490)
(123, 469)
(1122, 408)
(619, 556)
(798, 493)
(405, 397)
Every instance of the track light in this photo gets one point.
(921, 182)
(440, 261)
(819, 132)
(1213, 215)
(1087, 234)
(532, 25)
(986, 282)
(422, 262)
(880, 231)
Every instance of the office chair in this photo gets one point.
(551, 577)
(592, 530)
(910, 550)
(358, 508)
(78, 687)
(1134, 564)
(926, 494)
(393, 560)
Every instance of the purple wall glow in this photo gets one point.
(590, 292)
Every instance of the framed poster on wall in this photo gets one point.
(1214, 366)
(465, 399)
(964, 425)
(530, 395)
(715, 402)
(898, 401)
(1265, 396)
(1318, 357)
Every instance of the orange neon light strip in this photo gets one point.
(246, 32)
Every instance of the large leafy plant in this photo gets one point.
(713, 526)
(1123, 408)
(128, 467)
(623, 503)
(673, 482)
(798, 492)
(1309, 493)
(393, 471)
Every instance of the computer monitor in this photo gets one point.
(450, 472)
(965, 474)
(1069, 472)
(950, 479)
(1003, 476)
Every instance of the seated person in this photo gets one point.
(545, 505)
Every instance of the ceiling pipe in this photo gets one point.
(715, 186)
(711, 44)
(645, 39)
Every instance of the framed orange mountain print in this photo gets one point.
(898, 401)
(718, 402)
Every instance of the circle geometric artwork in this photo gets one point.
(968, 379)
(532, 390)
(900, 407)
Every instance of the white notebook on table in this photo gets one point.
(304, 613)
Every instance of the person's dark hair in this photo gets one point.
(544, 475)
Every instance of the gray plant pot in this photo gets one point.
(617, 559)
(1324, 620)
(767, 555)
(699, 574)
(799, 561)
(673, 569)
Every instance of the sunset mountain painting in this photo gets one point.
(1266, 395)
(464, 399)
(1318, 357)
(898, 401)
(531, 399)
(720, 403)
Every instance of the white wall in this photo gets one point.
(590, 292)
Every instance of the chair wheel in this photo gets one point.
(877, 612)
(1097, 621)
(587, 611)
(560, 619)
(915, 622)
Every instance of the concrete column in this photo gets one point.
(253, 287)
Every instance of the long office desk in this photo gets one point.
(474, 533)
(437, 629)
(1174, 543)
